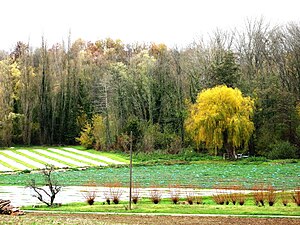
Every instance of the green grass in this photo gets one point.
(165, 206)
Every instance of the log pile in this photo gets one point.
(8, 209)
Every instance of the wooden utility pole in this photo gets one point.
(130, 176)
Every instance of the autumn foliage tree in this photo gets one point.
(221, 118)
(93, 134)
(141, 87)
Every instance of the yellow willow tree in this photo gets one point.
(221, 118)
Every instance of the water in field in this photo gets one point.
(21, 196)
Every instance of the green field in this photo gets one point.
(203, 175)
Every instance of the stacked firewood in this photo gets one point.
(8, 209)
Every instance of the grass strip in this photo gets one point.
(9, 166)
(114, 156)
(31, 157)
(18, 161)
(88, 157)
(165, 206)
(54, 159)
(73, 158)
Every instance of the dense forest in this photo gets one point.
(107, 89)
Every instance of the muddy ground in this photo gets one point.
(87, 219)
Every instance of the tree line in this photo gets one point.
(99, 92)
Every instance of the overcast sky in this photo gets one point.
(169, 21)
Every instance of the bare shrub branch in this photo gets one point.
(50, 182)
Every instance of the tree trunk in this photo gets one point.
(228, 147)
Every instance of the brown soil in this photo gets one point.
(85, 219)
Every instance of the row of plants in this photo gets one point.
(187, 195)
(207, 175)
(261, 195)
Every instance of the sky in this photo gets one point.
(173, 22)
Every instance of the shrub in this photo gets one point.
(135, 199)
(282, 150)
(234, 195)
(90, 197)
(168, 141)
(89, 194)
(106, 194)
(175, 199)
(115, 192)
(93, 134)
(190, 197)
(135, 195)
(175, 145)
(198, 200)
(241, 198)
(123, 142)
(296, 196)
(284, 198)
(155, 196)
(174, 193)
(227, 199)
(258, 195)
(219, 199)
(271, 195)
(86, 138)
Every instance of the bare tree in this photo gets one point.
(42, 193)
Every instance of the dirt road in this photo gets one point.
(89, 219)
